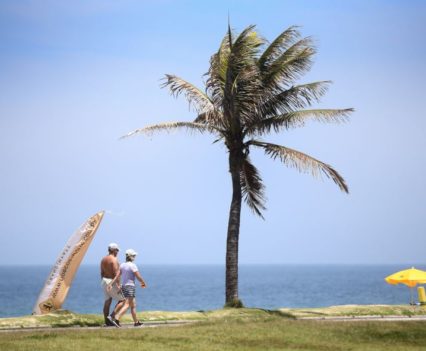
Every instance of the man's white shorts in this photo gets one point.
(114, 292)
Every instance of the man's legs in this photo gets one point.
(111, 292)
(107, 305)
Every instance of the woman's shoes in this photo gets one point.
(137, 324)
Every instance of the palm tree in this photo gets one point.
(248, 94)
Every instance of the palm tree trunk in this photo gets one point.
(235, 161)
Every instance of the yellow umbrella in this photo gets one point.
(410, 277)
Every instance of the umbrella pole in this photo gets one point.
(411, 296)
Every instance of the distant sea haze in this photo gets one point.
(201, 287)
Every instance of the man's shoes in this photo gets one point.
(137, 324)
(117, 321)
(108, 323)
(114, 322)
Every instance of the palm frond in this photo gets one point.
(240, 58)
(291, 65)
(302, 162)
(243, 86)
(215, 84)
(230, 40)
(298, 119)
(213, 118)
(299, 96)
(196, 98)
(249, 96)
(278, 46)
(252, 187)
(247, 42)
(168, 126)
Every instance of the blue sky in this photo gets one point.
(76, 75)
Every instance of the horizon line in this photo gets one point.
(14, 264)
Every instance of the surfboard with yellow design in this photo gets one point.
(55, 290)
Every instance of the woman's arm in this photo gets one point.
(139, 277)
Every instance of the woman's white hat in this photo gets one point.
(131, 252)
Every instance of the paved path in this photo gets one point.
(366, 318)
(185, 322)
(124, 326)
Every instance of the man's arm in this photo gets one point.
(115, 268)
(116, 279)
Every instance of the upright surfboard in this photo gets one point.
(59, 281)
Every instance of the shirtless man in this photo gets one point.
(109, 269)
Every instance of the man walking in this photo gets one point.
(109, 269)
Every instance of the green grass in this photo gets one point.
(67, 318)
(226, 329)
(357, 310)
(255, 331)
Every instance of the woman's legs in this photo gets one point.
(123, 309)
(132, 303)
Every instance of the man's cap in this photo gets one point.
(113, 246)
(131, 252)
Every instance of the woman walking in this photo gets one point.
(128, 272)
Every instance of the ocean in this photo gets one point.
(201, 287)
